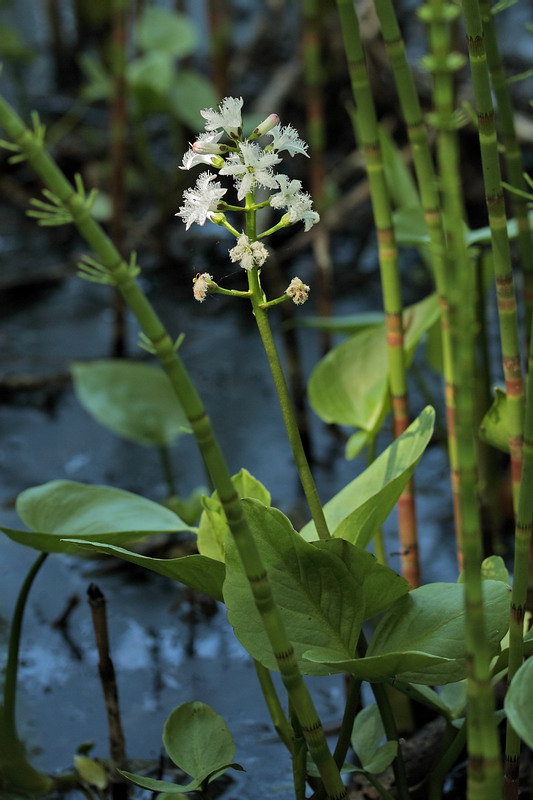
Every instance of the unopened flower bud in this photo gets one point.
(205, 148)
(298, 291)
(270, 122)
(200, 286)
(218, 218)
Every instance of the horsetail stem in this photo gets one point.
(440, 66)
(366, 123)
(512, 156)
(505, 291)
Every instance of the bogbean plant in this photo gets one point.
(303, 602)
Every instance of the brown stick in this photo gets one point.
(117, 746)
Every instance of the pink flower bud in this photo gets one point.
(270, 122)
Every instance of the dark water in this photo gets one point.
(60, 703)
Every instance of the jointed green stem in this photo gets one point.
(512, 155)
(200, 423)
(500, 241)
(524, 527)
(368, 132)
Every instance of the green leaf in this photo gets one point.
(493, 568)
(376, 668)
(350, 323)
(190, 93)
(367, 733)
(63, 510)
(132, 399)
(418, 621)
(382, 586)
(150, 78)
(382, 758)
(398, 176)
(99, 84)
(214, 530)
(164, 31)
(187, 508)
(356, 443)
(410, 227)
(494, 428)
(349, 385)
(196, 571)
(198, 741)
(160, 786)
(366, 502)
(91, 771)
(519, 702)
(319, 590)
(454, 697)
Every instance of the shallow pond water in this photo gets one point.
(60, 702)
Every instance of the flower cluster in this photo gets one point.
(251, 165)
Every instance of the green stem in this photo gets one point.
(16, 773)
(442, 768)
(524, 528)
(275, 709)
(287, 410)
(490, 162)
(367, 130)
(512, 155)
(168, 470)
(391, 732)
(209, 447)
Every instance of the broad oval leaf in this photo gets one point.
(366, 502)
(376, 669)
(213, 529)
(132, 399)
(196, 571)
(91, 771)
(164, 31)
(154, 785)
(321, 600)
(431, 620)
(198, 740)
(494, 428)
(349, 385)
(59, 510)
(367, 733)
(190, 93)
(519, 702)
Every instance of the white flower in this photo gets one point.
(288, 194)
(228, 117)
(298, 291)
(287, 138)
(200, 286)
(249, 167)
(201, 203)
(193, 157)
(249, 254)
(298, 204)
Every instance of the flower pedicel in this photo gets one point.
(250, 164)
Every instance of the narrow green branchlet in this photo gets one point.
(107, 255)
